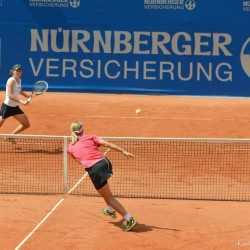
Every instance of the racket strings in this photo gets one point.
(40, 87)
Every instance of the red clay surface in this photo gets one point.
(114, 115)
(163, 224)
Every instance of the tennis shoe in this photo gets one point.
(130, 224)
(106, 212)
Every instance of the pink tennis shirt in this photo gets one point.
(86, 150)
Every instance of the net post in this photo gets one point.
(65, 165)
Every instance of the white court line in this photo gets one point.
(54, 208)
(140, 117)
(80, 180)
(49, 213)
(40, 223)
(156, 118)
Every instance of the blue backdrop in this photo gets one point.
(180, 47)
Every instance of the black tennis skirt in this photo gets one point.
(7, 111)
(100, 172)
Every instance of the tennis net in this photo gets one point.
(206, 169)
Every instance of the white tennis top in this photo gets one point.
(17, 89)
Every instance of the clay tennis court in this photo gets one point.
(163, 224)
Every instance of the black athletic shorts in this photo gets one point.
(7, 111)
(100, 172)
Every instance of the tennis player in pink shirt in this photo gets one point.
(85, 150)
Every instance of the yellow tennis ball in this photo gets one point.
(138, 111)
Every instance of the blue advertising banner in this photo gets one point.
(176, 47)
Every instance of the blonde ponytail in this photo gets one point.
(74, 138)
(76, 130)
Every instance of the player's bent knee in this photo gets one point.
(27, 125)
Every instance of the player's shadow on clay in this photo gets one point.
(140, 228)
(39, 151)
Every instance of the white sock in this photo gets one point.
(110, 209)
(127, 217)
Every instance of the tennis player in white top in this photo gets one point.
(10, 106)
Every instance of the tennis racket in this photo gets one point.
(39, 88)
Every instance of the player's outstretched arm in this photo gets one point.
(115, 147)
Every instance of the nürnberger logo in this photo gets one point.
(245, 57)
(74, 3)
(190, 4)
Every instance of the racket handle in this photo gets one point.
(29, 99)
